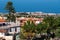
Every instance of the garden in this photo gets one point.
(48, 29)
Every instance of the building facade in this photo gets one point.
(9, 28)
(23, 20)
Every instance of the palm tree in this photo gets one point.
(9, 7)
(29, 28)
(41, 27)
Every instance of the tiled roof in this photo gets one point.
(2, 19)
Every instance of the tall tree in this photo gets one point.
(9, 7)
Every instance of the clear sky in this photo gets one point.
(52, 6)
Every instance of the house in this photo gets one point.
(9, 28)
(23, 20)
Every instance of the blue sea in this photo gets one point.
(47, 6)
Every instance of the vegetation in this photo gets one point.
(9, 7)
(52, 22)
(49, 24)
(41, 28)
(29, 29)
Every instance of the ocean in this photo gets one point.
(47, 6)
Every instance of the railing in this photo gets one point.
(8, 25)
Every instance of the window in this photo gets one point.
(12, 29)
(18, 29)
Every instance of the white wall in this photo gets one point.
(8, 37)
(2, 34)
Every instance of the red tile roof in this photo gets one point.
(2, 19)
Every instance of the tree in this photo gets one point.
(41, 27)
(9, 7)
(29, 29)
(50, 22)
(58, 21)
(58, 27)
(29, 26)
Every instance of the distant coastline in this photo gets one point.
(29, 11)
(36, 12)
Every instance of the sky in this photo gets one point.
(48, 6)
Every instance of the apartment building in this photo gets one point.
(9, 29)
(23, 20)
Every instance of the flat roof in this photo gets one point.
(9, 25)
